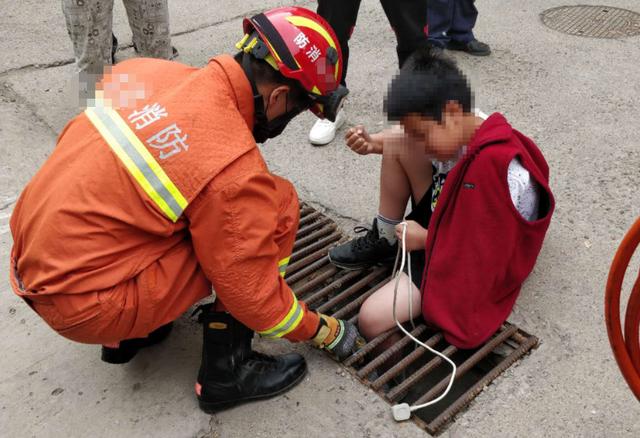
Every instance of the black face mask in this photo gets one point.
(264, 129)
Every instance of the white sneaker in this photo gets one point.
(324, 131)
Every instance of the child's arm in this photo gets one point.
(416, 235)
(360, 142)
(363, 143)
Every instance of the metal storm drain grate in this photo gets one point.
(403, 372)
(593, 21)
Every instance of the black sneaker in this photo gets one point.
(473, 47)
(365, 251)
(127, 349)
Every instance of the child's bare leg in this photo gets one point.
(376, 313)
(418, 170)
(395, 188)
(405, 171)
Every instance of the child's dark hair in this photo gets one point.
(426, 82)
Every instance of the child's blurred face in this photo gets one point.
(442, 140)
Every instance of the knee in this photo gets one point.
(287, 195)
(369, 320)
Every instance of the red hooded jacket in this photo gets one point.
(479, 249)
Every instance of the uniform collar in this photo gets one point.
(238, 84)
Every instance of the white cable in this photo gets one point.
(403, 411)
(413, 324)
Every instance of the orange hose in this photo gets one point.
(629, 369)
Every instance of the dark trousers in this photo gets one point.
(408, 18)
(451, 20)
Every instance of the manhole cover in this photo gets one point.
(402, 373)
(593, 21)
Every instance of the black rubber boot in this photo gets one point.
(365, 251)
(130, 347)
(232, 373)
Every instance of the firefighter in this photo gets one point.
(157, 193)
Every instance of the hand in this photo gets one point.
(341, 338)
(416, 235)
(360, 141)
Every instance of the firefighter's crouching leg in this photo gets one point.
(133, 309)
(231, 373)
(288, 219)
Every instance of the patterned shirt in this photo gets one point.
(524, 190)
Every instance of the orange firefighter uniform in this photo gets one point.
(153, 195)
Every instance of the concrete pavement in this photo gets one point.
(579, 98)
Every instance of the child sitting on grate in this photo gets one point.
(481, 206)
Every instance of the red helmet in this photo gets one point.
(302, 46)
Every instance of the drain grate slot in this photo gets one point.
(404, 363)
(391, 364)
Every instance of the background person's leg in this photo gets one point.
(464, 19)
(342, 16)
(149, 21)
(461, 32)
(408, 18)
(439, 17)
(89, 27)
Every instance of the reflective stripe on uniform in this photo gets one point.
(287, 324)
(138, 160)
(282, 266)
